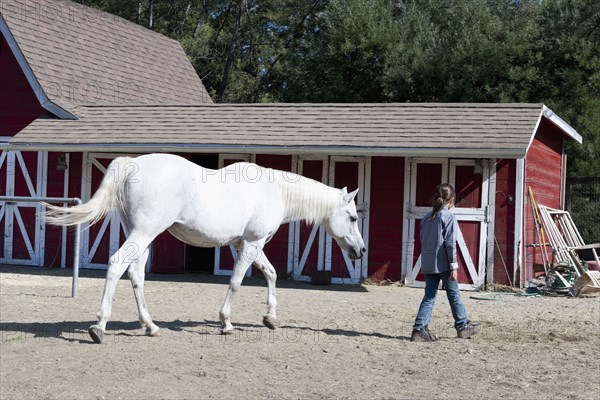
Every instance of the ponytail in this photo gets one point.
(443, 195)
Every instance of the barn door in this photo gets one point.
(22, 224)
(309, 243)
(225, 256)
(470, 179)
(103, 239)
(352, 172)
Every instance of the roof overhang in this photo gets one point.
(262, 149)
(561, 124)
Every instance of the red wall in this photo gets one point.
(277, 248)
(385, 226)
(18, 104)
(53, 239)
(504, 221)
(543, 173)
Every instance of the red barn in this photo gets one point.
(77, 92)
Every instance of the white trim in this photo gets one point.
(519, 209)
(535, 129)
(31, 78)
(406, 264)
(40, 222)
(85, 196)
(560, 123)
(366, 204)
(491, 219)
(292, 230)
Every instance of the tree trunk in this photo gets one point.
(230, 55)
(150, 14)
(139, 12)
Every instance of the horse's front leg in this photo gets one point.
(263, 263)
(246, 255)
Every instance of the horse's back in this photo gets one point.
(202, 205)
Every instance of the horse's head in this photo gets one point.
(342, 225)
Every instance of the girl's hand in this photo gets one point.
(453, 275)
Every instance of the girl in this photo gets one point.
(438, 262)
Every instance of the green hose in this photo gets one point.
(497, 296)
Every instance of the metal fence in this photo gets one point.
(583, 202)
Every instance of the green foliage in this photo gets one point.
(393, 50)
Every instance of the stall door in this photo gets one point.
(470, 179)
(104, 238)
(225, 256)
(22, 224)
(352, 172)
(309, 243)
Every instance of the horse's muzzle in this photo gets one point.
(355, 255)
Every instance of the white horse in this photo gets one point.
(241, 205)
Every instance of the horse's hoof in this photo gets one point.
(152, 330)
(227, 331)
(96, 333)
(269, 322)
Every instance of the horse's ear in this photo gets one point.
(344, 191)
(348, 197)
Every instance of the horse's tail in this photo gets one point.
(109, 196)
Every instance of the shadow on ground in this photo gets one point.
(77, 331)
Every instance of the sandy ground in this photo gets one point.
(348, 342)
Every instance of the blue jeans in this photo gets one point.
(432, 282)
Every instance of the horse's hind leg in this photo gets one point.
(136, 274)
(119, 262)
(262, 263)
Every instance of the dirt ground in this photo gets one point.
(348, 342)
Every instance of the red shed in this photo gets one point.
(396, 154)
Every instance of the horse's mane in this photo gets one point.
(304, 198)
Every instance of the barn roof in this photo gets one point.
(74, 55)
(426, 129)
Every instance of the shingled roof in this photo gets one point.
(467, 130)
(78, 55)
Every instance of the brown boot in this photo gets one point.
(423, 335)
(469, 330)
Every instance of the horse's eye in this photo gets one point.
(353, 219)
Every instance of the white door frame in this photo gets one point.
(482, 214)
(10, 212)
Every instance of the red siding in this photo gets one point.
(543, 173)
(55, 188)
(385, 226)
(168, 253)
(75, 176)
(504, 226)
(18, 103)
(277, 248)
